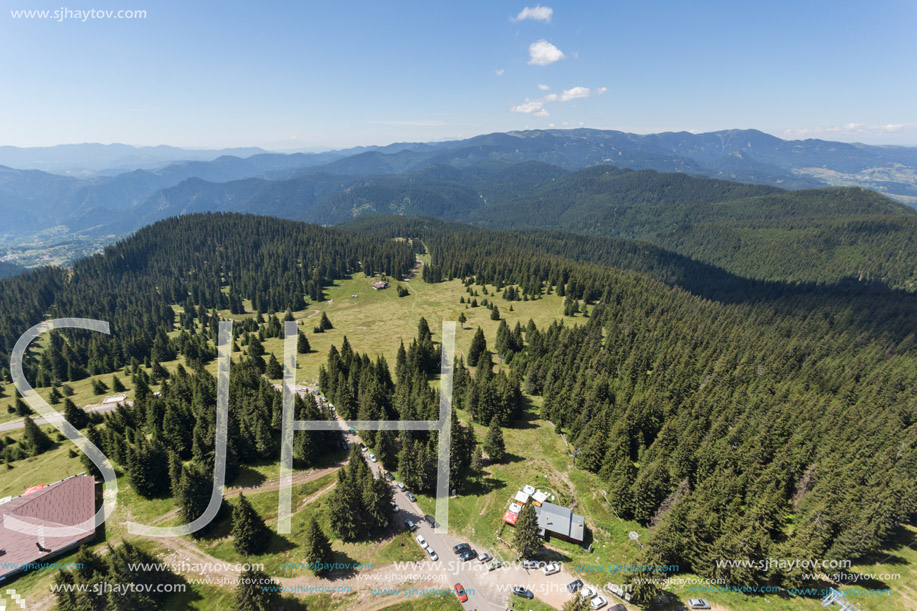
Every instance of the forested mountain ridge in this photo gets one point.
(105, 204)
(185, 260)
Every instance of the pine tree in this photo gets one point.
(493, 443)
(54, 397)
(250, 535)
(324, 323)
(478, 347)
(525, 538)
(318, 548)
(257, 592)
(495, 313)
(302, 344)
(462, 319)
(116, 384)
(35, 439)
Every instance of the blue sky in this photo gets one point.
(308, 75)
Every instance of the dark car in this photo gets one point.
(389, 476)
(461, 547)
(574, 586)
(410, 525)
(430, 520)
(468, 555)
(522, 592)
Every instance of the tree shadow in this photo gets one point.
(246, 477)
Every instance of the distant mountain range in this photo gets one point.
(517, 179)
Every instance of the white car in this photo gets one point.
(421, 541)
(485, 558)
(372, 457)
(432, 554)
(400, 485)
(550, 569)
(598, 603)
(587, 592)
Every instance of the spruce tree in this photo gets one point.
(478, 347)
(76, 416)
(274, 370)
(318, 548)
(302, 344)
(493, 443)
(525, 538)
(35, 439)
(257, 592)
(324, 323)
(116, 384)
(250, 535)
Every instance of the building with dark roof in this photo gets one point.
(67, 503)
(560, 522)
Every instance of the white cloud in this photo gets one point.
(543, 87)
(543, 53)
(499, 72)
(536, 107)
(531, 107)
(847, 129)
(537, 13)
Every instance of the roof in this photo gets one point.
(560, 520)
(380, 285)
(70, 502)
(510, 518)
(528, 489)
(522, 498)
(540, 497)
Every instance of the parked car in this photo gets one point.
(461, 547)
(485, 558)
(395, 507)
(421, 541)
(698, 603)
(532, 564)
(372, 457)
(410, 525)
(432, 554)
(573, 586)
(363, 448)
(494, 564)
(400, 485)
(430, 520)
(460, 592)
(410, 496)
(598, 602)
(389, 476)
(351, 431)
(587, 593)
(468, 555)
(344, 445)
(522, 592)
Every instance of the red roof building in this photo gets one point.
(70, 502)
